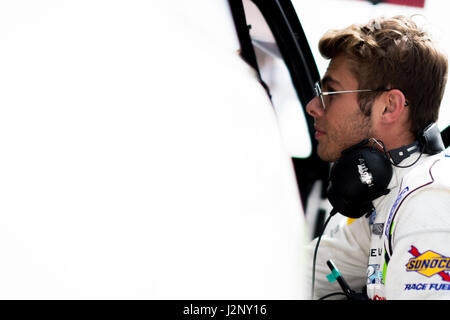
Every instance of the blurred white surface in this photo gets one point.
(140, 159)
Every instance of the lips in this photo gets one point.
(318, 132)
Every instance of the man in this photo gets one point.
(393, 78)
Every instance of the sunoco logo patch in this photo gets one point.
(429, 263)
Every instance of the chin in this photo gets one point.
(326, 155)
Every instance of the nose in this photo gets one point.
(314, 107)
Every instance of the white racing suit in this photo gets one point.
(402, 251)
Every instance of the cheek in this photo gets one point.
(338, 128)
(344, 132)
(354, 129)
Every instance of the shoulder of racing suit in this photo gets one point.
(432, 173)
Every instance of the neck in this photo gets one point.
(394, 137)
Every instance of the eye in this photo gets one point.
(330, 89)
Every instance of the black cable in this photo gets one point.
(332, 213)
(409, 165)
(386, 152)
(332, 294)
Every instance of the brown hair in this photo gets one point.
(393, 53)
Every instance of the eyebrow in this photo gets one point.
(326, 79)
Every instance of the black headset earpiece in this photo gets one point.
(359, 176)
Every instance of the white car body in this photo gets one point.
(140, 158)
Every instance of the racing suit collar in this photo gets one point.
(398, 173)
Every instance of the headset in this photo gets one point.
(363, 173)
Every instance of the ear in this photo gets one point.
(393, 106)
